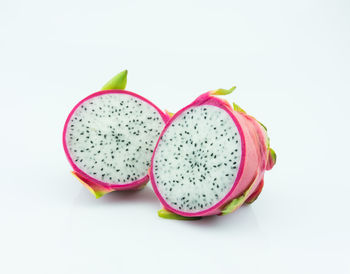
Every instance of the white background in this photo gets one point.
(290, 61)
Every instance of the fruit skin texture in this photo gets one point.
(96, 187)
(255, 160)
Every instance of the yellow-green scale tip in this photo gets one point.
(117, 82)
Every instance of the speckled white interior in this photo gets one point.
(111, 137)
(197, 159)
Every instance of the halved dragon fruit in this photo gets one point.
(209, 159)
(109, 138)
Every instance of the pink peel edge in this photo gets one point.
(202, 100)
(80, 173)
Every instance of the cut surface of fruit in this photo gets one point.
(210, 159)
(197, 159)
(109, 137)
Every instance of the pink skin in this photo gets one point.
(253, 162)
(100, 188)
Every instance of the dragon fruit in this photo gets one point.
(109, 138)
(210, 159)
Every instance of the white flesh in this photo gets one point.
(197, 159)
(111, 137)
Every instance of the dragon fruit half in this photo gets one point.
(210, 159)
(109, 138)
